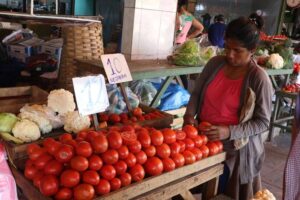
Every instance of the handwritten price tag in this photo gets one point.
(116, 68)
(91, 95)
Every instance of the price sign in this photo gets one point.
(116, 68)
(91, 95)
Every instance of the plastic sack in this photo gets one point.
(187, 54)
(8, 188)
(144, 90)
(174, 97)
(116, 100)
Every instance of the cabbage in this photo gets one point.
(7, 121)
(187, 54)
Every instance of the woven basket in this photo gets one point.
(80, 42)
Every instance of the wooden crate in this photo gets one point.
(13, 99)
(165, 186)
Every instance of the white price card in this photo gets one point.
(91, 95)
(116, 68)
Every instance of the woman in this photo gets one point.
(291, 187)
(235, 95)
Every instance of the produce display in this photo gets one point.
(264, 194)
(96, 163)
(187, 54)
(292, 88)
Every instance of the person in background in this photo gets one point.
(258, 20)
(234, 94)
(216, 31)
(184, 22)
(291, 184)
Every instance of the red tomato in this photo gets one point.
(121, 167)
(197, 152)
(130, 160)
(220, 145)
(49, 185)
(30, 172)
(189, 157)
(157, 138)
(175, 148)
(42, 160)
(84, 149)
(110, 156)
(91, 177)
(178, 159)
(144, 138)
(141, 157)
(91, 135)
(169, 136)
(180, 135)
(150, 151)
(72, 143)
(204, 139)
(48, 142)
(205, 151)
(123, 116)
(64, 194)
(84, 192)
(135, 147)
(53, 167)
(114, 139)
(123, 152)
(31, 147)
(69, 178)
(36, 152)
(137, 172)
(137, 111)
(115, 184)
(64, 153)
(37, 179)
(198, 141)
(189, 143)
(29, 163)
(213, 148)
(125, 179)
(95, 162)
(114, 118)
(163, 151)
(99, 144)
(108, 172)
(191, 131)
(168, 164)
(82, 134)
(154, 166)
(204, 126)
(79, 163)
(127, 128)
(182, 146)
(128, 137)
(65, 137)
(103, 187)
(103, 117)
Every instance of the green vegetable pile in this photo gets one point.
(187, 54)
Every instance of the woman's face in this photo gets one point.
(236, 54)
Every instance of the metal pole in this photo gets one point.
(56, 7)
(31, 7)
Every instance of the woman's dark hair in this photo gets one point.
(181, 3)
(258, 20)
(245, 31)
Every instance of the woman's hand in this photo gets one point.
(190, 120)
(218, 133)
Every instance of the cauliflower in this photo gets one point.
(26, 130)
(29, 113)
(61, 101)
(74, 122)
(275, 61)
(264, 194)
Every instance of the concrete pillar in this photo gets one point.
(148, 29)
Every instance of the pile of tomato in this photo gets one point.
(96, 163)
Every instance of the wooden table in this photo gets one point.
(154, 69)
(161, 187)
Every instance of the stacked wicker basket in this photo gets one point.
(80, 42)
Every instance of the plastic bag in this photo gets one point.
(8, 189)
(144, 90)
(174, 97)
(116, 100)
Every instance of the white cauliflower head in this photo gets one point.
(61, 101)
(26, 130)
(74, 122)
(275, 61)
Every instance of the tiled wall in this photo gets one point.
(148, 28)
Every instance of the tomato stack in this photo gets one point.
(95, 163)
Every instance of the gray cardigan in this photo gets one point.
(251, 155)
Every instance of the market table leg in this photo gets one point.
(161, 91)
(210, 189)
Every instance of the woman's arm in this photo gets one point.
(198, 29)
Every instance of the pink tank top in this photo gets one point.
(222, 100)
